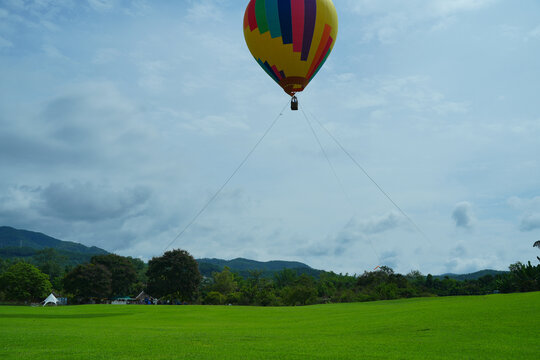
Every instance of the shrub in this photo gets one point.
(214, 298)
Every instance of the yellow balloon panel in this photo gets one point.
(291, 39)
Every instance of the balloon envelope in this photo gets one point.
(291, 39)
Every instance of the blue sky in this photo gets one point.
(120, 119)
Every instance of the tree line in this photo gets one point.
(174, 277)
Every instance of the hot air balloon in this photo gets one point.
(291, 39)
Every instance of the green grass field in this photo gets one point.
(481, 327)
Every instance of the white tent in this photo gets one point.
(50, 299)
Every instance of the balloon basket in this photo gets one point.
(294, 103)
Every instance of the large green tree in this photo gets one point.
(24, 282)
(123, 274)
(303, 292)
(175, 274)
(224, 282)
(88, 281)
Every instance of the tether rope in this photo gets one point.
(340, 183)
(369, 177)
(216, 194)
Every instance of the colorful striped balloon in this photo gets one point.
(291, 39)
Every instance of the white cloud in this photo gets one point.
(379, 224)
(390, 258)
(423, 8)
(524, 203)
(463, 215)
(206, 10)
(37, 13)
(385, 21)
(152, 75)
(390, 93)
(213, 125)
(102, 5)
(529, 209)
(105, 56)
(530, 222)
(447, 7)
(89, 202)
(17, 200)
(53, 52)
(4, 43)
(467, 265)
(359, 229)
(138, 7)
(75, 201)
(535, 33)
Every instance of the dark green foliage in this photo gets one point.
(140, 269)
(214, 298)
(175, 274)
(302, 292)
(89, 282)
(123, 274)
(23, 282)
(106, 276)
(4, 264)
(16, 252)
(287, 288)
(386, 285)
(258, 290)
(285, 277)
(522, 278)
(224, 282)
(221, 288)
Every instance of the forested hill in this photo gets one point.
(471, 276)
(244, 266)
(24, 244)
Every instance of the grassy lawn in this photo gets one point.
(480, 327)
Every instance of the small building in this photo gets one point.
(122, 300)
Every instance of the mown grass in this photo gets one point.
(483, 327)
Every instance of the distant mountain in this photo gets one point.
(471, 276)
(244, 266)
(16, 243)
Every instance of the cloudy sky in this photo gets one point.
(119, 120)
